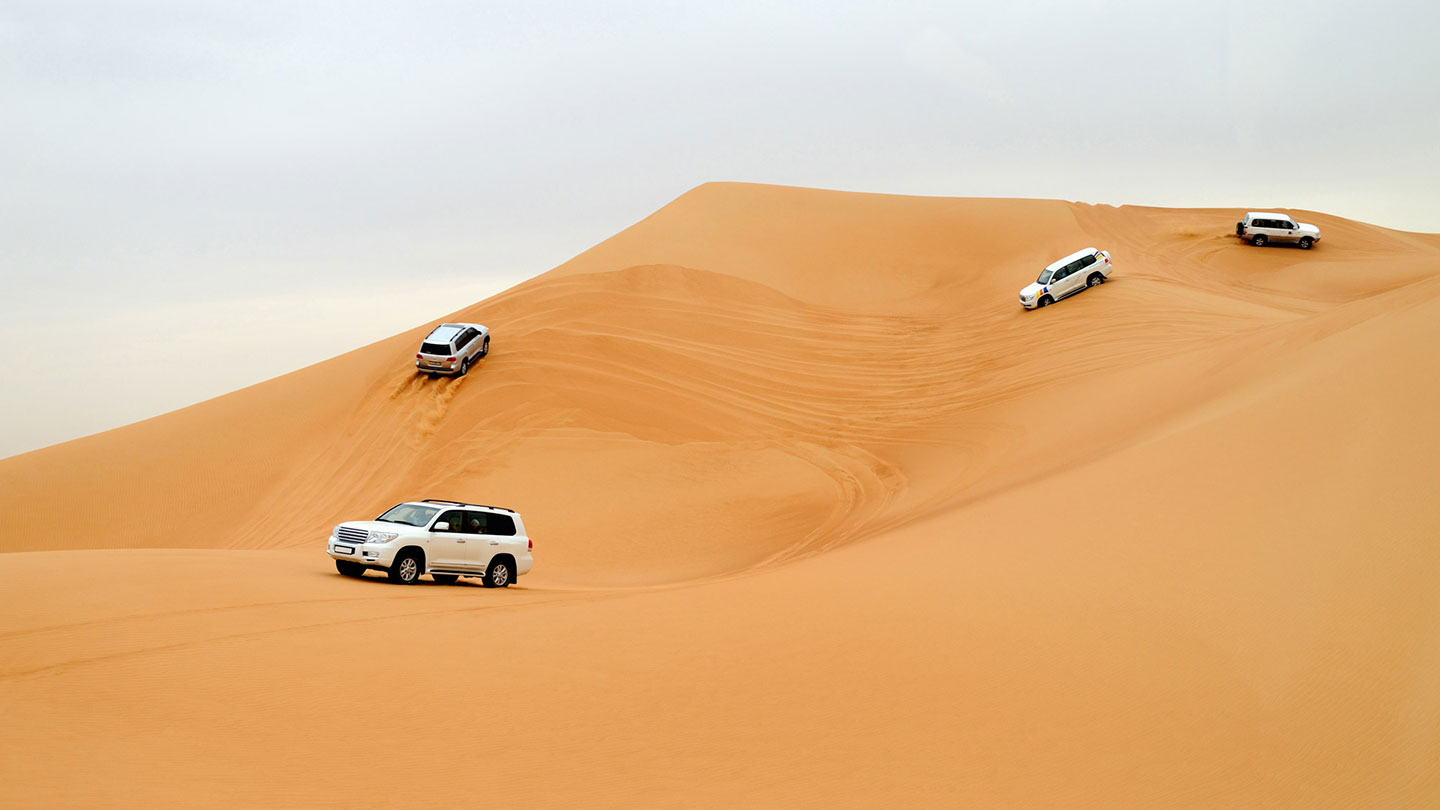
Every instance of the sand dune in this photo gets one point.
(820, 514)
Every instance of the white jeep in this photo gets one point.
(1260, 228)
(452, 348)
(446, 539)
(1080, 270)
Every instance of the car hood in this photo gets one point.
(1308, 228)
(1033, 287)
(380, 526)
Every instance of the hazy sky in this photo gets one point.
(233, 190)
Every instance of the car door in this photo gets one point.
(1057, 282)
(1071, 279)
(445, 550)
(1082, 273)
(500, 537)
(470, 539)
(1288, 231)
(466, 343)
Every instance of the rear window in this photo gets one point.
(434, 348)
(503, 525)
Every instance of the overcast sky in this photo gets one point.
(234, 190)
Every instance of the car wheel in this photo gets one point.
(1095, 280)
(444, 579)
(485, 347)
(406, 568)
(464, 368)
(1306, 242)
(499, 575)
(1045, 301)
(350, 569)
(1258, 240)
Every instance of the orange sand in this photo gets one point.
(821, 518)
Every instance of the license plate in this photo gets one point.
(433, 363)
(344, 550)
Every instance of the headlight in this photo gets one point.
(382, 537)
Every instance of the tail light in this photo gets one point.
(529, 544)
(451, 359)
(417, 356)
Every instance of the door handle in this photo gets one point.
(459, 541)
(494, 542)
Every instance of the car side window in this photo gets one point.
(1289, 226)
(474, 523)
(467, 336)
(455, 518)
(502, 525)
(1087, 261)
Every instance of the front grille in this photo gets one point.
(346, 534)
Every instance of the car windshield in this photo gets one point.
(1045, 276)
(409, 514)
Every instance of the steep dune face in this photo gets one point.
(798, 368)
(1167, 543)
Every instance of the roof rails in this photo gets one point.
(462, 503)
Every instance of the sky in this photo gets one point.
(196, 196)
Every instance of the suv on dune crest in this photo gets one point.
(1078, 271)
(1260, 228)
(446, 539)
(452, 347)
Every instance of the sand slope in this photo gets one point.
(820, 515)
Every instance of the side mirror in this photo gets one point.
(442, 526)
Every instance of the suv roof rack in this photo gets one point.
(462, 503)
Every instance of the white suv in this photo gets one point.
(446, 539)
(1081, 269)
(452, 347)
(1260, 228)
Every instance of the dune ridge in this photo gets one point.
(820, 515)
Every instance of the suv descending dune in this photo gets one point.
(1260, 228)
(1078, 271)
(446, 539)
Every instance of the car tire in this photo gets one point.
(464, 368)
(1306, 242)
(485, 347)
(406, 568)
(1258, 240)
(1095, 280)
(1044, 301)
(349, 569)
(499, 575)
(444, 579)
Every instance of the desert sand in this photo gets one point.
(821, 517)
